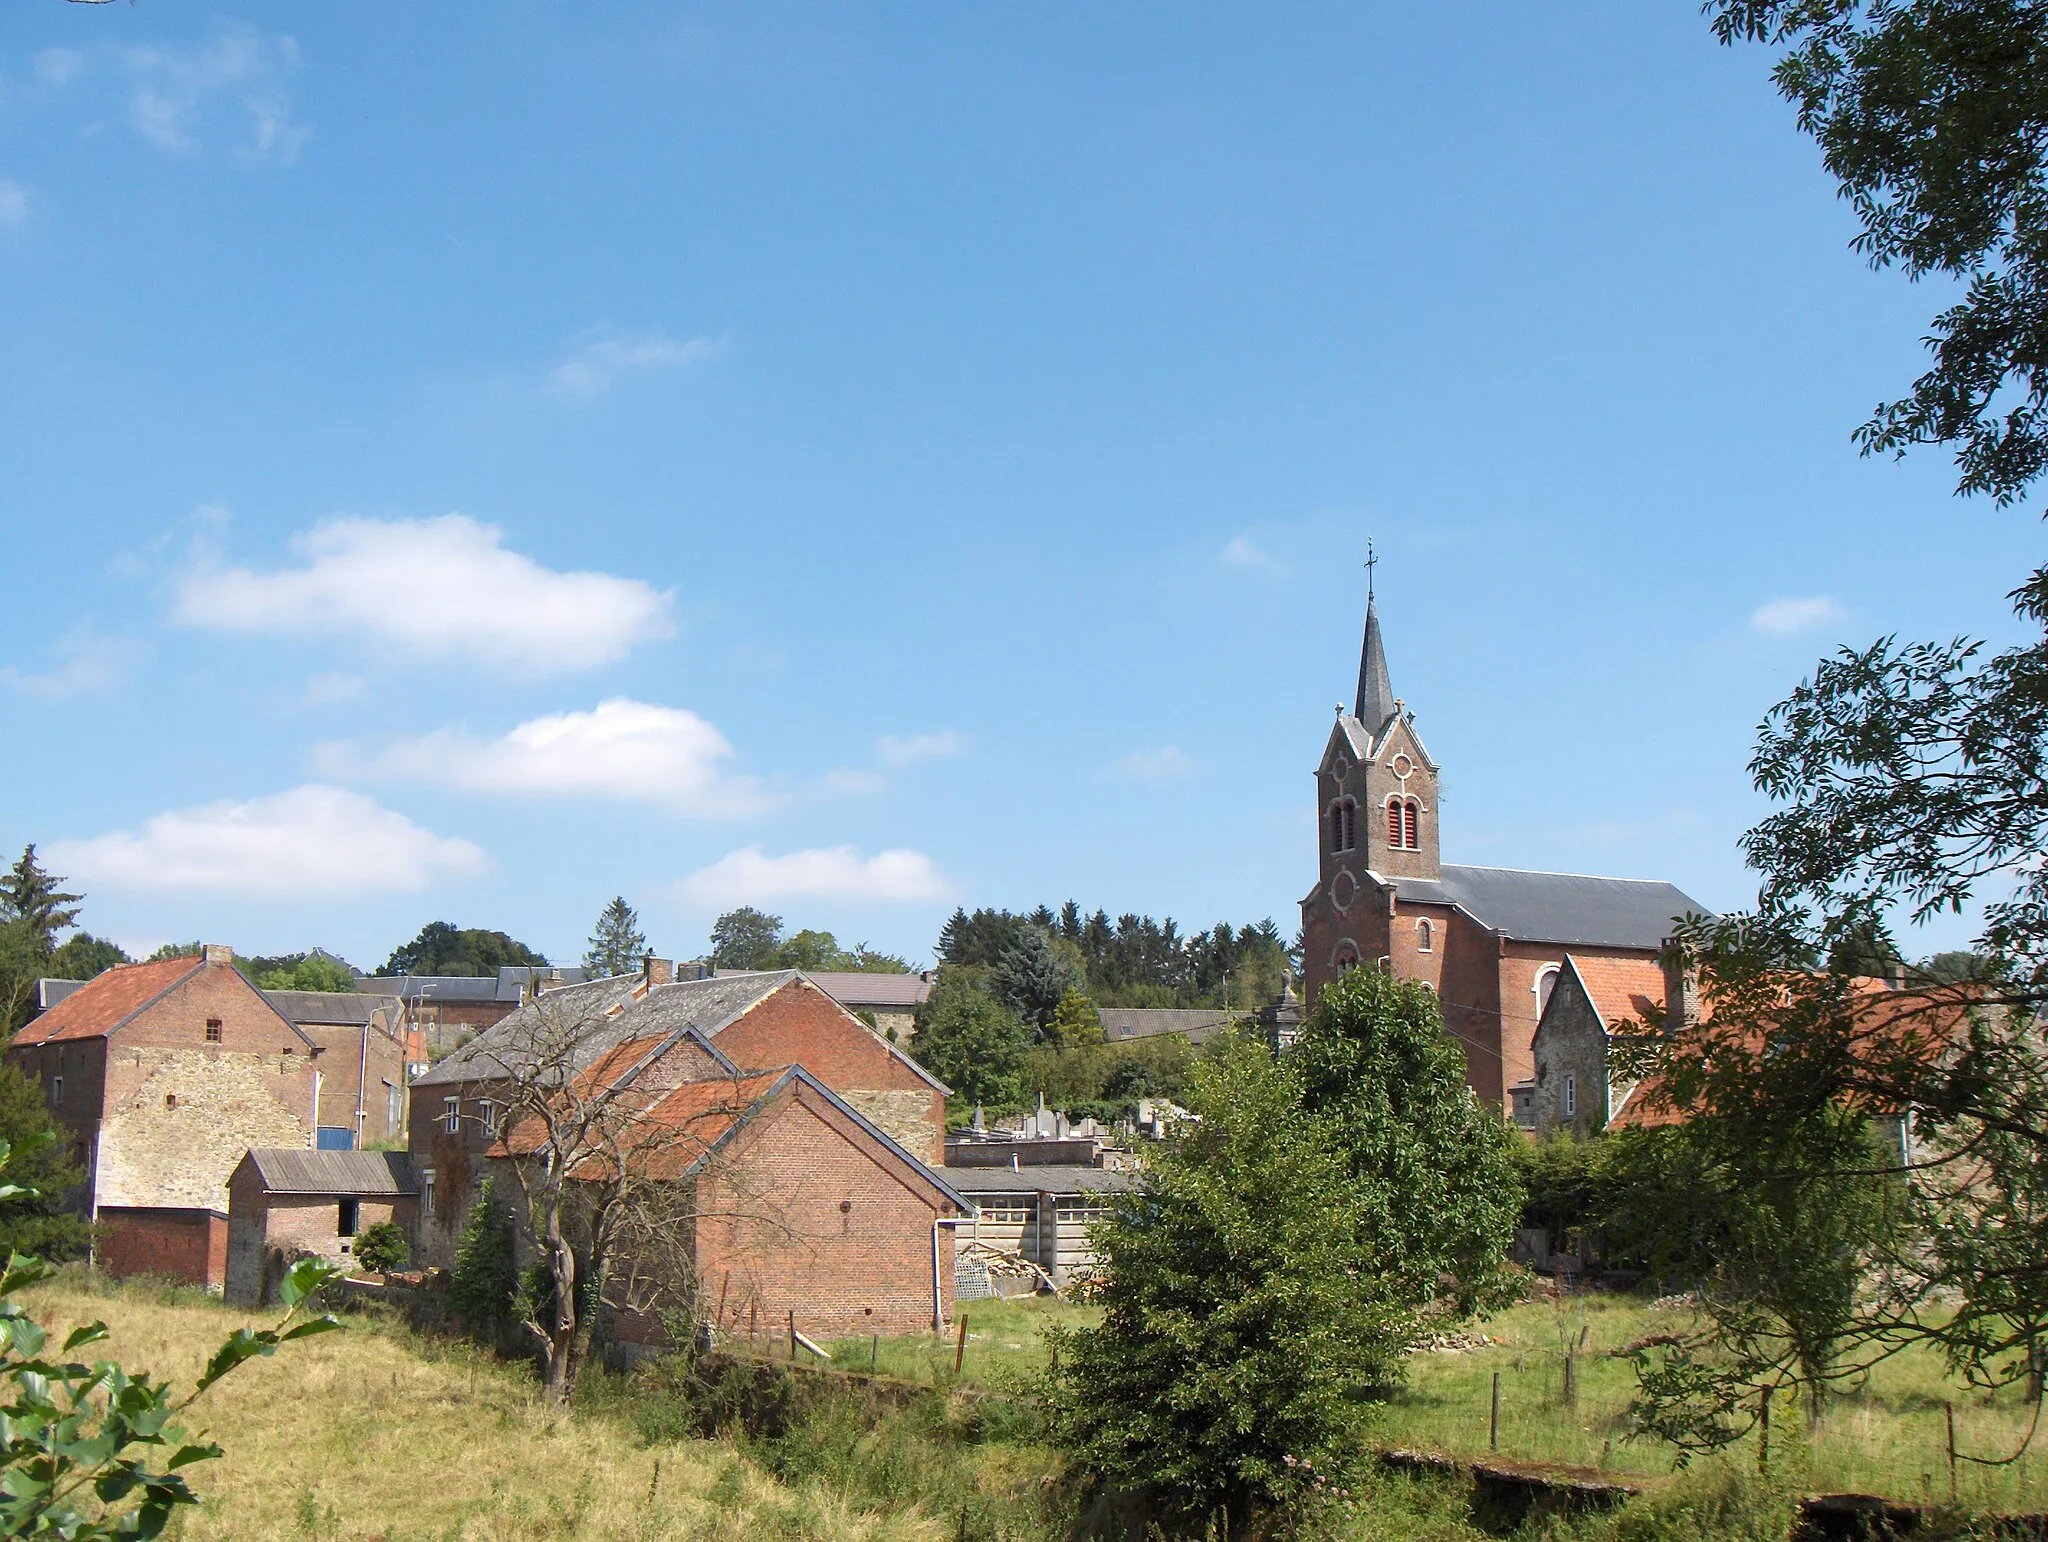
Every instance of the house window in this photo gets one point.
(348, 1212)
(451, 1115)
(170, 1100)
(1006, 1210)
(56, 1089)
(491, 1113)
(1546, 982)
(1571, 1097)
(427, 1191)
(394, 1109)
(1425, 937)
(213, 1030)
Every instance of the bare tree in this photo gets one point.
(612, 1140)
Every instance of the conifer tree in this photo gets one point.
(618, 944)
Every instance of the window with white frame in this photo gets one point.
(1005, 1209)
(491, 1113)
(1425, 936)
(1571, 1097)
(1546, 982)
(451, 1115)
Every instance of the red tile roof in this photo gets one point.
(1623, 989)
(102, 1004)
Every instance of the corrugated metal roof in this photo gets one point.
(1051, 1178)
(1557, 907)
(294, 1170)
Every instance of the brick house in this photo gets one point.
(290, 1203)
(730, 1023)
(1489, 941)
(163, 1075)
(792, 1206)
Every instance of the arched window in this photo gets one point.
(1394, 822)
(1411, 819)
(1546, 981)
(1343, 825)
(1425, 936)
(1345, 957)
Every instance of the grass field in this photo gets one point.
(1889, 1438)
(376, 1433)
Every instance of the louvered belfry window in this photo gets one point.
(1410, 817)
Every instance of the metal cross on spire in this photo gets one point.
(1370, 562)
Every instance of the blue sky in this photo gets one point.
(468, 461)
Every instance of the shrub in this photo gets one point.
(382, 1246)
(480, 1289)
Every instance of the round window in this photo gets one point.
(1403, 766)
(1343, 890)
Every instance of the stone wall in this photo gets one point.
(178, 1120)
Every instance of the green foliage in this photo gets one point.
(72, 1429)
(381, 1246)
(617, 945)
(1930, 116)
(1074, 1023)
(33, 909)
(1433, 1171)
(81, 956)
(441, 948)
(970, 1041)
(171, 950)
(1240, 1323)
(1134, 961)
(752, 939)
(1032, 978)
(39, 1217)
(299, 972)
(481, 1286)
(745, 938)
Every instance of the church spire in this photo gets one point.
(1375, 691)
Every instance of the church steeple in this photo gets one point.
(1375, 691)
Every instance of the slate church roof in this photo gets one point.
(1565, 908)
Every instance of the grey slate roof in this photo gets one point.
(349, 1008)
(1375, 707)
(1051, 1178)
(294, 1170)
(579, 1008)
(856, 990)
(1120, 1023)
(1556, 907)
(49, 992)
(505, 985)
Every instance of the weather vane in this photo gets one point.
(1370, 560)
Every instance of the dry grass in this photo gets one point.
(374, 1433)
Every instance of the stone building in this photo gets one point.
(728, 1023)
(287, 1204)
(1573, 1087)
(163, 1075)
(1490, 941)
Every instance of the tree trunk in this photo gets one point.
(558, 1379)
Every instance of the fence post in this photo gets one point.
(1949, 1411)
(1763, 1426)
(875, 1356)
(1493, 1420)
(792, 1333)
(960, 1349)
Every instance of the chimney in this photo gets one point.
(657, 971)
(216, 953)
(1681, 986)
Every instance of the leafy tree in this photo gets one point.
(82, 956)
(1032, 978)
(382, 1247)
(617, 945)
(811, 950)
(1932, 117)
(1436, 1187)
(1240, 1323)
(72, 1427)
(300, 972)
(170, 950)
(1074, 1023)
(480, 1286)
(745, 938)
(1954, 966)
(971, 1041)
(441, 948)
(39, 1219)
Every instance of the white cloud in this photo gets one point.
(1795, 615)
(86, 662)
(59, 66)
(1155, 765)
(943, 744)
(13, 202)
(436, 588)
(750, 877)
(174, 88)
(623, 749)
(1243, 552)
(601, 355)
(309, 840)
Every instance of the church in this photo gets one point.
(1489, 941)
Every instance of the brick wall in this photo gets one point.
(455, 1162)
(188, 1245)
(341, 1064)
(264, 1229)
(815, 1224)
(801, 1025)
